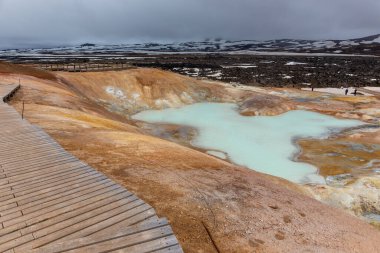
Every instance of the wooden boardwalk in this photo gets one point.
(52, 202)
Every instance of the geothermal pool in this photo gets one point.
(262, 143)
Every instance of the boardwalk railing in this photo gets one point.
(84, 67)
(52, 202)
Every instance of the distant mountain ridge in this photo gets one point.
(369, 45)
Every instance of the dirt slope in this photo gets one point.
(243, 211)
(7, 68)
(134, 90)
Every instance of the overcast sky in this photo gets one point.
(36, 23)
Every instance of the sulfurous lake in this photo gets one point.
(262, 143)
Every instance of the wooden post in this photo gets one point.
(23, 107)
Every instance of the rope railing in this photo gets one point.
(84, 67)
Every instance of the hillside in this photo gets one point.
(210, 203)
(369, 45)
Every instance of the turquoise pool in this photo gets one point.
(262, 143)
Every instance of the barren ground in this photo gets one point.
(242, 210)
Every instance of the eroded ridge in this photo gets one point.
(52, 202)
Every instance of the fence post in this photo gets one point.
(23, 108)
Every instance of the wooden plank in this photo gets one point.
(86, 241)
(74, 174)
(70, 212)
(28, 132)
(36, 174)
(24, 146)
(147, 241)
(52, 234)
(57, 209)
(11, 147)
(36, 170)
(122, 228)
(66, 227)
(143, 242)
(43, 190)
(24, 135)
(39, 161)
(103, 187)
(129, 216)
(6, 197)
(15, 242)
(10, 237)
(32, 132)
(77, 210)
(44, 164)
(63, 183)
(41, 176)
(61, 197)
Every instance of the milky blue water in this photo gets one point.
(262, 143)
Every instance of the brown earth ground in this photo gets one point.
(206, 199)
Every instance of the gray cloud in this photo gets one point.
(60, 22)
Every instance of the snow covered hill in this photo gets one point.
(363, 46)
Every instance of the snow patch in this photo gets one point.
(267, 62)
(243, 66)
(337, 91)
(348, 43)
(293, 63)
(217, 74)
(324, 44)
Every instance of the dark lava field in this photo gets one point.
(272, 70)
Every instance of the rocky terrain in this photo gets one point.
(273, 71)
(213, 205)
